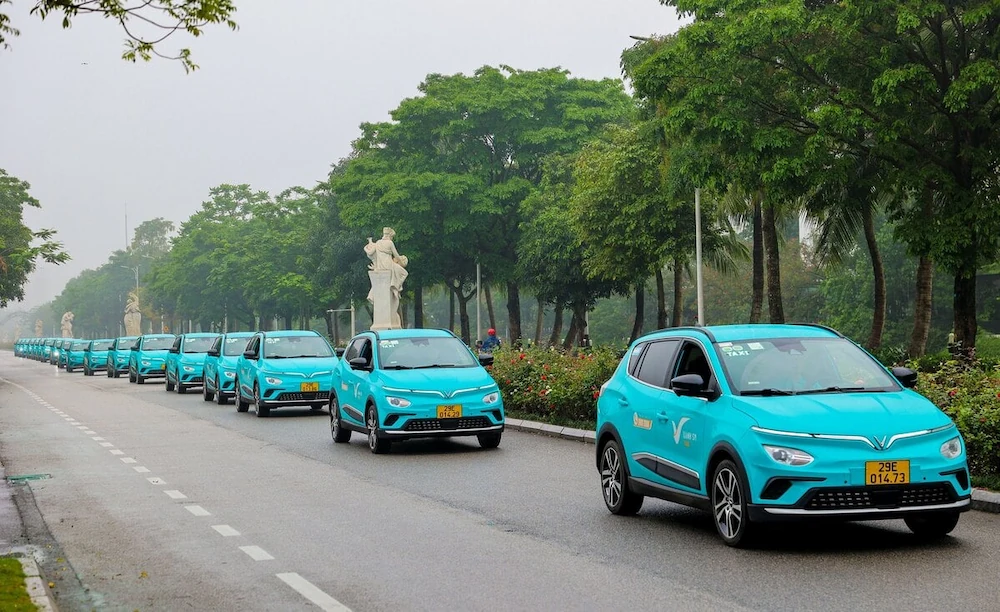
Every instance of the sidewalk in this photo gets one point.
(12, 544)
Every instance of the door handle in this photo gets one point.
(622, 402)
(662, 416)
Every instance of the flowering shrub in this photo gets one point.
(549, 385)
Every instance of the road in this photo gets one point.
(159, 501)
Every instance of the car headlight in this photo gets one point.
(56, 353)
(188, 368)
(272, 380)
(145, 362)
(952, 448)
(398, 402)
(491, 398)
(788, 456)
(229, 374)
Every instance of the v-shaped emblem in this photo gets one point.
(880, 442)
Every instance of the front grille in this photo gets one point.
(446, 424)
(303, 397)
(849, 498)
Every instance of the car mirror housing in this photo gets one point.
(688, 384)
(174, 350)
(485, 359)
(213, 353)
(339, 351)
(358, 363)
(249, 355)
(905, 376)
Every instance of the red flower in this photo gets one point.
(529, 389)
(596, 393)
(952, 393)
(543, 376)
(541, 393)
(546, 366)
(522, 355)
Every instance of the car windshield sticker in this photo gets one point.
(388, 343)
(731, 350)
(755, 346)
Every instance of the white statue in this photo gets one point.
(133, 318)
(387, 261)
(39, 328)
(67, 325)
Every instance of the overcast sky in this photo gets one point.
(273, 105)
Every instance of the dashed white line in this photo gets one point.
(128, 460)
(197, 510)
(83, 427)
(256, 553)
(69, 418)
(74, 422)
(90, 432)
(141, 469)
(312, 592)
(175, 494)
(115, 451)
(225, 530)
(156, 480)
(107, 444)
(97, 439)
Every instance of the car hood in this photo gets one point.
(444, 380)
(308, 366)
(228, 361)
(193, 358)
(880, 414)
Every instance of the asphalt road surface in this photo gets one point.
(150, 500)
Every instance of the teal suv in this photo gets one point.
(73, 354)
(148, 358)
(220, 366)
(414, 383)
(95, 357)
(186, 360)
(118, 356)
(284, 368)
(766, 423)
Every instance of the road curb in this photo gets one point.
(37, 589)
(983, 500)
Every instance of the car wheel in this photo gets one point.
(489, 440)
(618, 496)
(220, 397)
(69, 370)
(241, 405)
(932, 524)
(205, 393)
(729, 504)
(260, 407)
(87, 372)
(376, 444)
(181, 389)
(131, 375)
(140, 379)
(167, 385)
(337, 431)
(108, 372)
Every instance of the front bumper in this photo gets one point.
(154, 370)
(291, 393)
(197, 376)
(420, 420)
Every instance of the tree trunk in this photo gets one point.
(335, 318)
(403, 316)
(661, 301)
(463, 317)
(966, 324)
(539, 321)
(288, 321)
(678, 294)
(640, 311)
(489, 305)
(514, 311)
(878, 273)
(570, 333)
(331, 329)
(451, 308)
(418, 307)
(922, 308)
(557, 323)
(757, 280)
(770, 234)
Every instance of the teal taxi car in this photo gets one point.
(148, 357)
(59, 349)
(220, 366)
(72, 356)
(414, 383)
(47, 348)
(284, 368)
(118, 356)
(186, 360)
(768, 423)
(95, 357)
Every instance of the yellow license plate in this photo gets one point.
(309, 387)
(163, 366)
(450, 411)
(887, 472)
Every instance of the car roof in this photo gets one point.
(243, 334)
(390, 334)
(291, 332)
(103, 340)
(763, 331)
(201, 335)
(159, 335)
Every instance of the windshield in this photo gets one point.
(101, 346)
(198, 345)
(409, 353)
(79, 346)
(126, 342)
(284, 347)
(782, 366)
(157, 344)
(235, 346)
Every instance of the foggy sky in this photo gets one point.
(273, 104)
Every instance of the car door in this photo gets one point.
(212, 361)
(353, 386)
(245, 371)
(686, 446)
(173, 356)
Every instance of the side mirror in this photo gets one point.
(905, 376)
(485, 359)
(688, 384)
(339, 351)
(249, 354)
(358, 363)
(213, 353)
(174, 350)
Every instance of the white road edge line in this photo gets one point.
(256, 553)
(128, 460)
(225, 531)
(156, 480)
(90, 432)
(312, 592)
(115, 451)
(141, 469)
(175, 494)
(107, 444)
(197, 510)
(97, 439)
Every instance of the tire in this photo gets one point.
(260, 408)
(167, 385)
(131, 375)
(241, 406)
(220, 397)
(139, 379)
(729, 493)
(376, 444)
(618, 495)
(111, 372)
(932, 524)
(489, 440)
(205, 393)
(69, 370)
(337, 431)
(87, 371)
(181, 389)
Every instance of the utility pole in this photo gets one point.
(697, 253)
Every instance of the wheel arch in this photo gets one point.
(607, 433)
(720, 452)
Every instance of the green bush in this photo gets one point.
(553, 386)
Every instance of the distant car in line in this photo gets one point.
(73, 354)
(284, 368)
(59, 349)
(220, 366)
(148, 358)
(95, 357)
(118, 356)
(414, 383)
(186, 360)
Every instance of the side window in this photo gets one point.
(354, 350)
(138, 342)
(692, 361)
(177, 343)
(366, 350)
(633, 360)
(656, 361)
(217, 345)
(255, 346)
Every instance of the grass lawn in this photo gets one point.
(13, 594)
(987, 482)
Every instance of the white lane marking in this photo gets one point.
(81, 427)
(69, 418)
(256, 553)
(156, 480)
(175, 494)
(97, 439)
(128, 460)
(74, 422)
(90, 432)
(107, 444)
(115, 451)
(198, 510)
(312, 592)
(225, 530)
(141, 470)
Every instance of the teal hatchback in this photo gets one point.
(73, 353)
(186, 360)
(414, 383)
(220, 366)
(95, 358)
(118, 355)
(284, 368)
(148, 358)
(766, 423)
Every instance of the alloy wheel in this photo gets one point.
(372, 422)
(611, 476)
(727, 502)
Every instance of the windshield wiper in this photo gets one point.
(298, 356)
(766, 392)
(435, 365)
(834, 389)
(397, 367)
